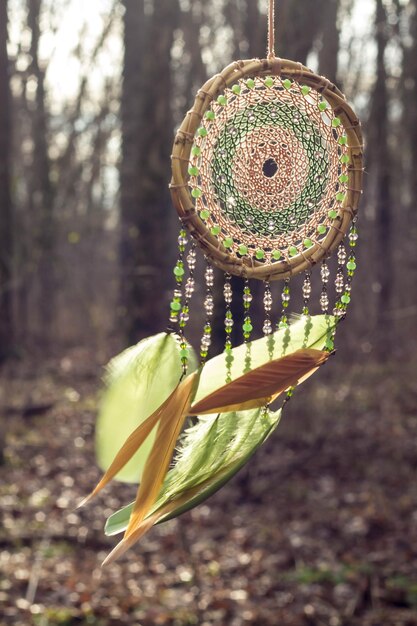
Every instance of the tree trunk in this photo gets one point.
(42, 189)
(329, 49)
(380, 158)
(298, 24)
(6, 227)
(147, 139)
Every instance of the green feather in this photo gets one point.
(210, 454)
(138, 381)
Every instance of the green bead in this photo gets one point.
(323, 106)
(329, 344)
(292, 251)
(351, 265)
(175, 306)
(202, 131)
(343, 140)
(215, 230)
(184, 353)
(243, 250)
(228, 242)
(307, 243)
(250, 83)
(222, 100)
(269, 81)
(333, 214)
(209, 115)
(321, 229)
(260, 254)
(344, 158)
(193, 170)
(204, 214)
(340, 196)
(179, 271)
(336, 122)
(236, 89)
(287, 83)
(345, 298)
(247, 327)
(283, 324)
(305, 90)
(195, 151)
(343, 178)
(276, 255)
(196, 193)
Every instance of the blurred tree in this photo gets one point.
(147, 137)
(299, 23)
(329, 44)
(42, 191)
(6, 228)
(410, 110)
(380, 160)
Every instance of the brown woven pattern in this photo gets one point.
(267, 193)
(270, 195)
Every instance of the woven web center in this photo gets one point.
(270, 167)
(267, 168)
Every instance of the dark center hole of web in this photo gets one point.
(270, 168)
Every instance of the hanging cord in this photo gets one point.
(271, 30)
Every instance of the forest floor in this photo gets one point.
(319, 530)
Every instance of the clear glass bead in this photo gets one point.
(206, 342)
(182, 241)
(247, 297)
(209, 276)
(324, 301)
(177, 293)
(173, 319)
(190, 285)
(191, 259)
(306, 289)
(228, 322)
(285, 297)
(325, 273)
(267, 327)
(353, 236)
(339, 283)
(209, 304)
(227, 293)
(341, 255)
(184, 317)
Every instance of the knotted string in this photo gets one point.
(271, 30)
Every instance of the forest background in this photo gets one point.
(90, 96)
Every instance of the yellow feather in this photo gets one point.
(172, 419)
(262, 384)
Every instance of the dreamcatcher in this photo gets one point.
(266, 180)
